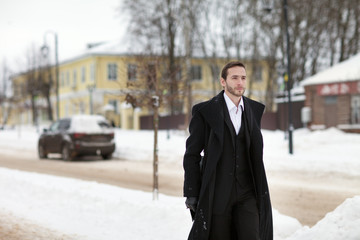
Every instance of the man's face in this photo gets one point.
(235, 82)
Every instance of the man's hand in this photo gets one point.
(191, 203)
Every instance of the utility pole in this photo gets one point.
(155, 103)
(288, 77)
(267, 7)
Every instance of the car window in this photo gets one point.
(55, 126)
(103, 124)
(64, 124)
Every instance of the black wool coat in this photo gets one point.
(207, 134)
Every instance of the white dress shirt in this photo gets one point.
(235, 112)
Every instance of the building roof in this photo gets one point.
(115, 47)
(128, 46)
(348, 70)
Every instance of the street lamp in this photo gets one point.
(45, 51)
(287, 77)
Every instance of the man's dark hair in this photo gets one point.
(224, 71)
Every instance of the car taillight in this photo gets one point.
(78, 135)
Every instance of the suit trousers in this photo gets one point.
(240, 221)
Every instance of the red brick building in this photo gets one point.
(333, 96)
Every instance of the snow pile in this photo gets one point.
(342, 223)
(92, 210)
(98, 211)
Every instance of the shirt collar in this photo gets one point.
(230, 105)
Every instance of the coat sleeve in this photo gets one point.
(192, 157)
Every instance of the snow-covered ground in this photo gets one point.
(91, 210)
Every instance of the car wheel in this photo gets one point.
(106, 156)
(66, 153)
(42, 152)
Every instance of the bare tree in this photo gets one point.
(323, 33)
(45, 83)
(38, 81)
(148, 91)
(154, 25)
(31, 79)
(157, 24)
(4, 98)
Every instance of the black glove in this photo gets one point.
(191, 203)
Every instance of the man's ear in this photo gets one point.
(222, 81)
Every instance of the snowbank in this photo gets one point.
(96, 211)
(342, 223)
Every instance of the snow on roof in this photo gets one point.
(88, 124)
(122, 46)
(348, 70)
(126, 46)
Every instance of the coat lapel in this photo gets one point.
(248, 122)
(229, 124)
(214, 115)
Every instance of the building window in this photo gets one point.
(215, 72)
(330, 100)
(257, 74)
(74, 109)
(62, 79)
(112, 71)
(83, 74)
(92, 72)
(355, 109)
(195, 73)
(132, 71)
(114, 103)
(66, 109)
(67, 78)
(74, 78)
(82, 107)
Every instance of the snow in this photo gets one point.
(339, 224)
(90, 210)
(348, 70)
(89, 124)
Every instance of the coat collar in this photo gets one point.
(213, 113)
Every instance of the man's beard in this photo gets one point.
(234, 92)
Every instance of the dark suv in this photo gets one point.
(76, 136)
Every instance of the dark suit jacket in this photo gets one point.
(206, 134)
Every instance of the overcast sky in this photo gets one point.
(23, 23)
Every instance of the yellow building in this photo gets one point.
(98, 81)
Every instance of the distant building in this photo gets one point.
(333, 96)
(96, 82)
(297, 104)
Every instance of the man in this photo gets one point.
(226, 189)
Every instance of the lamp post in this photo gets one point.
(45, 50)
(288, 78)
(268, 8)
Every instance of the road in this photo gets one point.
(304, 196)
